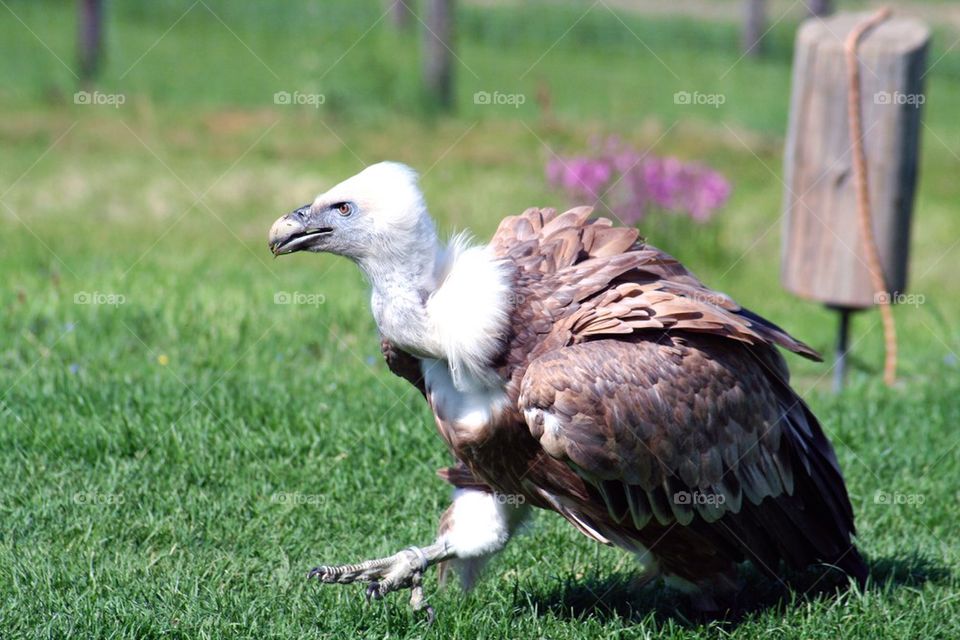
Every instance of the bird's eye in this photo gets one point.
(344, 208)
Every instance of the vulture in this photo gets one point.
(570, 366)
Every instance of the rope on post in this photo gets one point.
(871, 251)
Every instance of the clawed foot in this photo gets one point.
(402, 570)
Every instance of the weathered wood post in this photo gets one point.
(438, 44)
(89, 38)
(754, 24)
(820, 7)
(823, 249)
(401, 14)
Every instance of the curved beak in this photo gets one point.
(295, 231)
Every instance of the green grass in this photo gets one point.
(174, 464)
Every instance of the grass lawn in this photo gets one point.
(178, 447)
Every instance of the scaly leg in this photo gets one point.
(477, 525)
(402, 570)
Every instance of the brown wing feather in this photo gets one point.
(692, 431)
(590, 279)
(657, 416)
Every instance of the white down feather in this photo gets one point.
(470, 310)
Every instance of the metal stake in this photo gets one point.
(843, 335)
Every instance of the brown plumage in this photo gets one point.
(648, 410)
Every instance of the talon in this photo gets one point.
(320, 573)
(402, 570)
(431, 615)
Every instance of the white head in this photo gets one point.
(378, 218)
(450, 304)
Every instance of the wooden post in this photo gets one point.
(823, 250)
(755, 22)
(89, 38)
(438, 43)
(401, 14)
(820, 7)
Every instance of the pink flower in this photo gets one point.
(631, 183)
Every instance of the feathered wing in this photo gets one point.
(579, 278)
(667, 398)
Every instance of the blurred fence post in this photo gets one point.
(820, 7)
(755, 21)
(89, 38)
(438, 36)
(401, 14)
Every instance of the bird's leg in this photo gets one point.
(402, 570)
(475, 526)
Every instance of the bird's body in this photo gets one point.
(572, 367)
